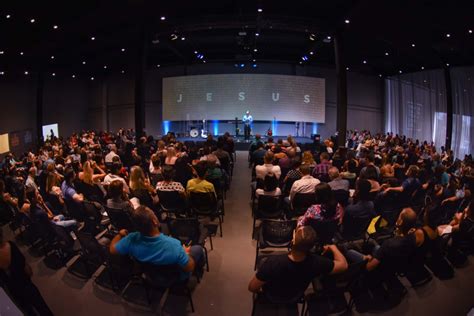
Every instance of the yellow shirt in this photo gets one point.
(198, 185)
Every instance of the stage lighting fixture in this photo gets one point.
(105, 66)
(312, 37)
(52, 57)
(55, 27)
(347, 21)
(73, 76)
(204, 61)
(400, 71)
(448, 35)
(412, 45)
(255, 50)
(447, 65)
(254, 65)
(53, 74)
(305, 58)
(242, 65)
(380, 75)
(158, 66)
(328, 37)
(32, 20)
(84, 62)
(123, 49)
(195, 52)
(123, 71)
(422, 68)
(257, 34)
(26, 72)
(92, 78)
(425, 81)
(470, 31)
(2, 73)
(242, 33)
(163, 18)
(92, 38)
(254, 60)
(8, 16)
(183, 38)
(386, 54)
(365, 62)
(311, 53)
(347, 68)
(21, 53)
(2, 52)
(301, 63)
(259, 10)
(174, 37)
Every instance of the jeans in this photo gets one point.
(247, 131)
(353, 256)
(64, 222)
(197, 253)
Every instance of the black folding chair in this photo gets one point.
(92, 256)
(172, 202)
(354, 228)
(341, 196)
(325, 230)
(274, 233)
(205, 205)
(189, 230)
(267, 207)
(120, 219)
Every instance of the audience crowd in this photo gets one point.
(385, 203)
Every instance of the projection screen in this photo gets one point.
(224, 97)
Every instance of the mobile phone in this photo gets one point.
(189, 243)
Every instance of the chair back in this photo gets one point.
(277, 233)
(203, 203)
(185, 229)
(63, 239)
(268, 207)
(341, 196)
(120, 219)
(75, 210)
(161, 276)
(301, 202)
(354, 228)
(225, 164)
(91, 247)
(172, 201)
(325, 230)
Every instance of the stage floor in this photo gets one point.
(242, 144)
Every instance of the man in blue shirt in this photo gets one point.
(247, 120)
(148, 245)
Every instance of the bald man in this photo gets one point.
(397, 249)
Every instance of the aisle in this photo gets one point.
(224, 290)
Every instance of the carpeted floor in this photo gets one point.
(223, 291)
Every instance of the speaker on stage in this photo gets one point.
(316, 137)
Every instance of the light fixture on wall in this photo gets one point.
(8, 16)
(163, 18)
(83, 62)
(55, 27)
(21, 53)
(259, 10)
(105, 66)
(448, 35)
(386, 54)
(123, 49)
(73, 76)
(347, 21)
(364, 62)
(52, 56)
(32, 21)
(93, 38)
(2, 52)
(26, 72)
(92, 78)
(53, 74)
(413, 45)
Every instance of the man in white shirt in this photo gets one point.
(262, 170)
(30, 181)
(109, 158)
(306, 184)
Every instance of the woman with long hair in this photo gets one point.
(141, 188)
(171, 156)
(326, 207)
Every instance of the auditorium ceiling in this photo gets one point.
(101, 37)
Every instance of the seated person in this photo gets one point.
(141, 188)
(285, 277)
(41, 213)
(200, 184)
(307, 183)
(118, 198)
(337, 182)
(322, 169)
(270, 186)
(258, 155)
(68, 188)
(410, 185)
(293, 175)
(396, 250)
(168, 184)
(114, 174)
(214, 172)
(361, 205)
(463, 229)
(326, 207)
(262, 170)
(148, 245)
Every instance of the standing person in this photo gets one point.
(16, 274)
(247, 120)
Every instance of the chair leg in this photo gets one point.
(256, 258)
(253, 227)
(207, 260)
(220, 225)
(253, 306)
(210, 240)
(190, 297)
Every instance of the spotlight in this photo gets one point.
(242, 65)
(470, 31)
(400, 71)
(52, 57)
(123, 71)
(92, 38)
(311, 53)
(123, 49)
(21, 53)
(55, 27)
(26, 72)
(329, 37)
(84, 62)
(301, 63)
(305, 58)
(259, 10)
(347, 21)
(254, 65)
(254, 60)
(413, 45)
(448, 35)
(447, 65)
(347, 68)
(386, 54)
(2, 52)
(195, 52)
(2, 73)
(105, 66)
(380, 75)
(422, 68)
(364, 62)
(92, 78)
(53, 74)
(255, 50)
(163, 18)
(32, 20)
(8, 16)
(257, 34)
(183, 38)
(204, 61)
(73, 76)
(158, 66)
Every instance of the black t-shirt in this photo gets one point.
(285, 279)
(396, 252)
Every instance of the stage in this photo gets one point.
(241, 144)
